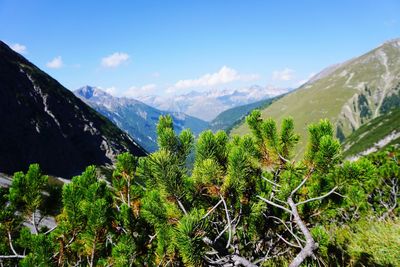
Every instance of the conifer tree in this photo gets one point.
(247, 201)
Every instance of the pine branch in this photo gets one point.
(269, 181)
(283, 159)
(220, 234)
(140, 185)
(229, 222)
(298, 239)
(287, 242)
(302, 182)
(34, 223)
(274, 204)
(50, 230)
(16, 255)
(181, 206)
(310, 243)
(317, 198)
(11, 256)
(231, 260)
(91, 262)
(211, 210)
(240, 260)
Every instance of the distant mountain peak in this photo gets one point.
(89, 92)
(206, 105)
(394, 41)
(138, 119)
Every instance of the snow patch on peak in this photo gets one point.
(207, 105)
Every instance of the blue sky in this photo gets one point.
(159, 47)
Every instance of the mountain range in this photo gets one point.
(349, 94)
(43, 122)
(206, 105)
(136, 118)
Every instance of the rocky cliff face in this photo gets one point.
(42, 122)
(376, 78)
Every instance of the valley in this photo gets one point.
(199, 133)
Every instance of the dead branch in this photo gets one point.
(229, 222)
(271, 182)
(274, 204)
(310, 243)
(212, 209)
(302, 182)
(16, 255)
(317, 198)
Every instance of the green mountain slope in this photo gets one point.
(349, 94)
(228, 119)
(374, 135)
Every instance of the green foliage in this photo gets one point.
(241, 174)
(288, 138)
(212, 146)
(167, 171)
(26, 189)
(86, 217)
(158, 211)
(317, 132)
(365, 243)
(381, 240)
(207, 172)
(190, 231)
(273, 145)
(123, 253)
(41, 247)
(179, 146)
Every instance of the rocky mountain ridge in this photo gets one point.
(43, 122)
(208, 104)
(134, 117)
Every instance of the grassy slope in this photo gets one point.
(306, 105)
(327, 97)
(371, 132)
(229, 118)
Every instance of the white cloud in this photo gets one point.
(55, 63)
(111, 90)
(114, 60)
(283, 75)
(19, 48)
(135, 91)
(223, 76)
